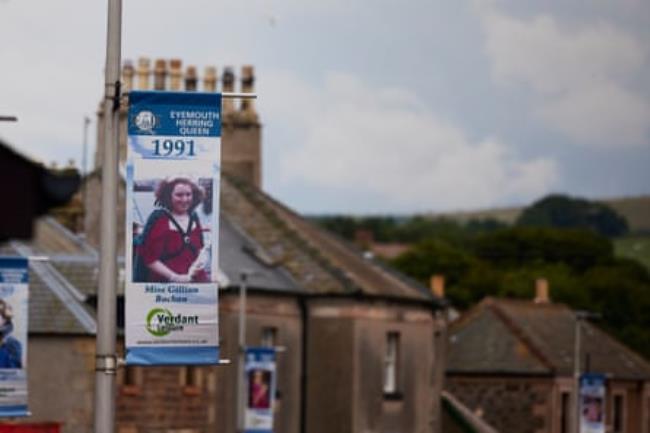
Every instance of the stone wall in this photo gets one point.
(511, 405)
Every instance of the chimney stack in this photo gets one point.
(127, 76)
(159, 74)
(143, 73)
(228, 81)
(541, 291)
(210, 79)
(175, 74)
(437, 284)
(190, 79)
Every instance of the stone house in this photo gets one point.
(512, 362)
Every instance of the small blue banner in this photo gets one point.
(592, 403)
(260, 380)
(14, 278)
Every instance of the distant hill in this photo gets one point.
(635, 209)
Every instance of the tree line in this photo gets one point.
(567, 241)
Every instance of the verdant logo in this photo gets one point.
(156, 323)
(161, 322)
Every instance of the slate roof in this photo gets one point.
(501, 336)
(55, 307)
(318, 261)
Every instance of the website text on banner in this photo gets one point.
(172, 228)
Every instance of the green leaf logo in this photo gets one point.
(156, 323)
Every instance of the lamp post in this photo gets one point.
(106, 358)
(241, 343)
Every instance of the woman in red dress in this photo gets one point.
(173, 238)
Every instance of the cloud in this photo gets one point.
(385, 142)
(581, 76)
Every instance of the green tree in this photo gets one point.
(562, 211)
(521, 246)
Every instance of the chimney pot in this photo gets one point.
(210, 79)
(541, 291)
(247, 85)
(127, 75)
(190, 79)
(437, 284)
(143, 73)
(175, 74)
(159, 74)
(228, 81)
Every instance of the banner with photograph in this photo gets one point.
(259, 369)
(172, 228)
(592, 403)
(14, 278)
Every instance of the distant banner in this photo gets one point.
(592, 403)
(14, 278)
(172, 228)
(260, 385)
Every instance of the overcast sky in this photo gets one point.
(379, 106)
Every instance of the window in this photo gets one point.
(391, 364)
(130, 380)
(269, 336)
(131, 376)
(565, 410)
(190, 380)
(618, 414)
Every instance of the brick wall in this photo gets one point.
(162, 399)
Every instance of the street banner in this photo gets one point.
(592, 403)
(13, 332)
(172, 228)
(259, 369)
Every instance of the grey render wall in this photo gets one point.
(61, 381)
(345, 367)
(283, 314)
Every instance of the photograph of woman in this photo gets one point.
(259, 389)
(171, 246)
(10, 347)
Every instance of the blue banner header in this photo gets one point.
(180, 114)
(14, 270)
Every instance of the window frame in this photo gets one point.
(391, 369)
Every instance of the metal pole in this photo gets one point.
(576, 375)
(106, 359)
(242, 349)
(84, 154)
(84, 163)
